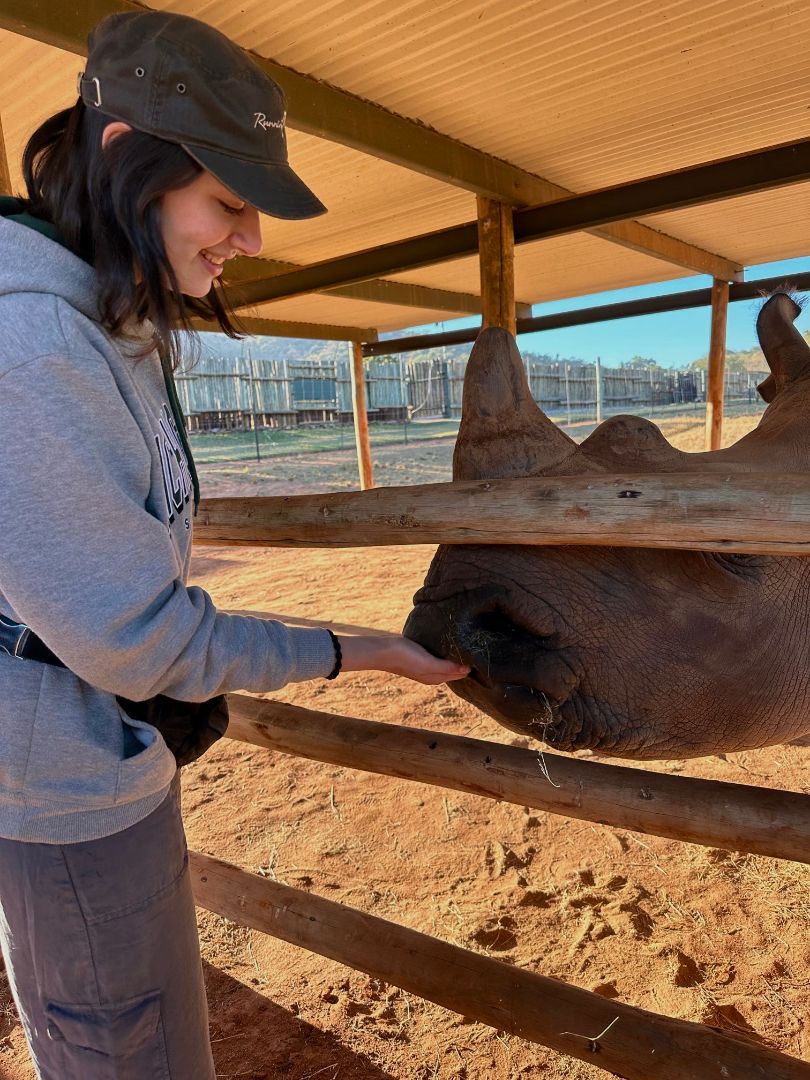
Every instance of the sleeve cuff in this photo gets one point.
(313, 653)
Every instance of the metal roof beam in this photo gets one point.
(399, 293)
(722, 179)
(284, 328)
(319, 109)
(625, 309)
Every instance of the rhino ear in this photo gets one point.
(503, 432)
(785, 349)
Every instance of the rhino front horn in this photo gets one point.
(784, 347)
(503, 433)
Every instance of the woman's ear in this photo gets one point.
(112, 131)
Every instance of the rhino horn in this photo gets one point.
(503, 433)
(784, 347)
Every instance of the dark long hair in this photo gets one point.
(106, 208)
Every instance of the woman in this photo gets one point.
(137, 196)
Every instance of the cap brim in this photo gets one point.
(273, 189)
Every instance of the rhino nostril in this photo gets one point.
(503, 633)
(500, 650)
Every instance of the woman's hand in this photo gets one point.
(399, 656)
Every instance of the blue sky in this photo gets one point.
(672, 338)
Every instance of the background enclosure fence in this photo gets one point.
(243, 392)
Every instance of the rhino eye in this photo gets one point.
(740, 564)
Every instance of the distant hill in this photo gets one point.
(295, 349)
(741, 360)
(328, 351)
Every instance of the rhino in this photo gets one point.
(628, 652)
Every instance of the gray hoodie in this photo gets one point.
(97, 512)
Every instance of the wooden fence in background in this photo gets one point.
(245, 392)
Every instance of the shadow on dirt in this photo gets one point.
(207, 563)
(297, 620)
(255, 1039)
(251, 1037)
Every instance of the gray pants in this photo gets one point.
(100, 944)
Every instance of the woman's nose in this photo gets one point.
(247, 237)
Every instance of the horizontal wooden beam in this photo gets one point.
(623, 1040)
(376, 291)
(626, 309)
(722, 179)
(647, 241)
(285, 328)
(738, 817)
(330, 113)
(715, 510)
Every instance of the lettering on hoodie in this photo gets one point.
(177, 483)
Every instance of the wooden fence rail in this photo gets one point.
(763, 821)
(714, 511)
(621, 1039)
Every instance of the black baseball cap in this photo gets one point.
(179, 79)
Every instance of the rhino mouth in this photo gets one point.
(517, 675)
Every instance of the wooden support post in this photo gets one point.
(758, 514)
(717, 365)
(623, 1040)
(359, 410)
(739, 817)
(5, 175)
(599, 391)
(496, 256)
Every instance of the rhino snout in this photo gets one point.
(516, 672)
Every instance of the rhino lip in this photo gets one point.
(513, 665)
(516, 664)
(522, 696)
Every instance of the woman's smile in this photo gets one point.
(203, 225)
(212, 263)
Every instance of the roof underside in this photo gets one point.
(584, 94)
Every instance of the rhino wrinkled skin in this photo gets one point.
(637, 653)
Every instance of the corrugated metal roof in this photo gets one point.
(586, 94)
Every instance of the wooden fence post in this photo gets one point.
(496, 257)
(599, 390)
(361, 418)
(717, 365)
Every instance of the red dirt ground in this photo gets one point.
(692, 932)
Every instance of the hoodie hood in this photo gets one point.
(34, 260)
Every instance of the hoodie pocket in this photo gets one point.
(21, 682)
(78, 754)
(113, 1042)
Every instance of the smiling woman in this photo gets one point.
(204, 225)
(113, 670)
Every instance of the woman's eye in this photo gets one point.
(231, 209)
